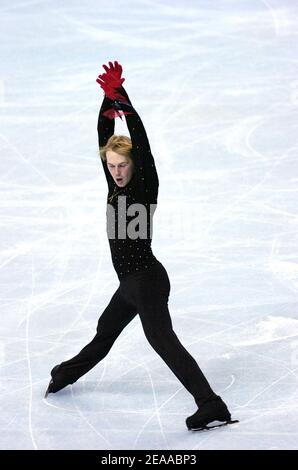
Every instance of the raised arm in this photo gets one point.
(141, 151)
(105, 129)
(115, 104)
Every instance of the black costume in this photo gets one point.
(144, 283)
(129, 255)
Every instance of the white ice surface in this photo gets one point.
(216, 86)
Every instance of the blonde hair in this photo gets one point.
(118, 143)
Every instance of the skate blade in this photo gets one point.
(208, 428)
(48, 389)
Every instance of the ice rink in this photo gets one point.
(216, 86)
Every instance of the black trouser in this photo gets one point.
(145, 293)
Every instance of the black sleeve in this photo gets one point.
(105, 129)
(143, 159)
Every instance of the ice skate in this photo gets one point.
(54, 387)
(212, 414)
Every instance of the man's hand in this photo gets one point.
(114, 74)
(111, 80)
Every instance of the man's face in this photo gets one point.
(120, 167)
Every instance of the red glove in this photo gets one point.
(109, 90)
(114, 74)
(109, 82)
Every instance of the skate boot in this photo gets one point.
(210, 411)
(55, 384)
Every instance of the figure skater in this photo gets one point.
(144, 284)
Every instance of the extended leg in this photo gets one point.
(113, 320)
(158, 329)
